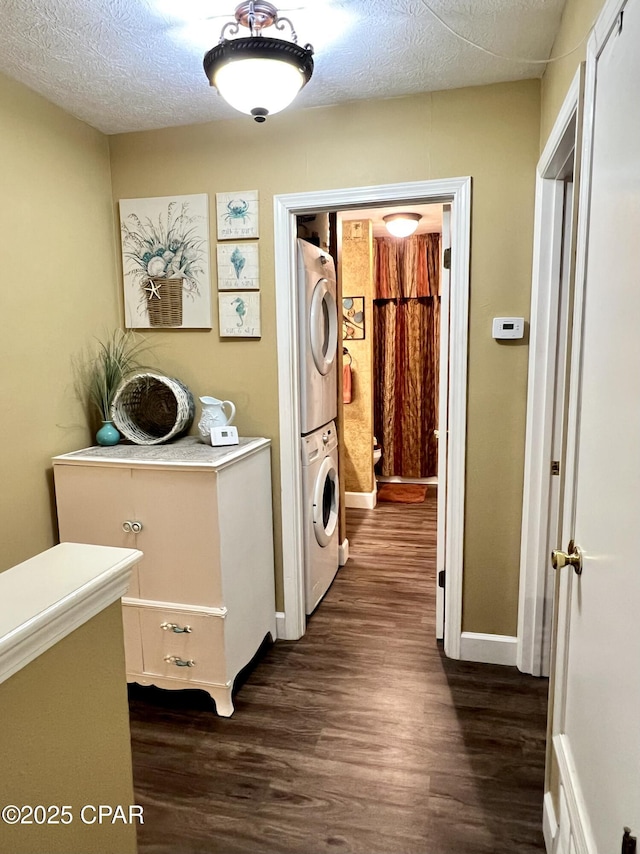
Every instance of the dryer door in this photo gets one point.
(323, 327)
(325, 502)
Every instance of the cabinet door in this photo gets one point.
(93, 502)
(179, 537)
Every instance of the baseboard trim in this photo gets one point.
(580, 830)
(488, 649)
(430, 481)
(343, 552)
(549, 823)
(361, 500)
(280, 627)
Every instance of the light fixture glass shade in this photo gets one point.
(401, 224)
(256, 85)
(258, 75)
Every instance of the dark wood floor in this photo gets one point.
(361, 737)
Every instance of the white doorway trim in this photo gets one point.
(457, 192)
(535, 597)
(443, 415)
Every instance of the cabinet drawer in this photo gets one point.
(166, 649)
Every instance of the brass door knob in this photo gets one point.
(572, 557)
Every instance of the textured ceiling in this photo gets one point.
(126, 65)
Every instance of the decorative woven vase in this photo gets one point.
(150, 408)
(165, 301)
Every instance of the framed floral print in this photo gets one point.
(165, 261)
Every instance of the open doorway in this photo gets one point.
(388, 353)
(391, 289)
(391, 286)
(456, 191)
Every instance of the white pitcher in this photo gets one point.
(214, 415)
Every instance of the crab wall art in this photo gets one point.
(237, 214)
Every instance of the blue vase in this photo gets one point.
(107, 434)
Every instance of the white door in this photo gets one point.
(596, 687)
(443, 404)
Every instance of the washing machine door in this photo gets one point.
(325, 502)
(323, 327)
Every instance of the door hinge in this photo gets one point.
(446, 259)
(441, 577)
(555, 467)
(628, 842)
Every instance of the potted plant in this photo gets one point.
(112, 360)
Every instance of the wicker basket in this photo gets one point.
(165, 302)
(150, 408)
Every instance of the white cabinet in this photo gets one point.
(202, 599)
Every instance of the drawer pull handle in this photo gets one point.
(179, 662)
(131, 527)
(174, 627)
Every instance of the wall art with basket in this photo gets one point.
(165, 260)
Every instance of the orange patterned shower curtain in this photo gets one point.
(406, 353)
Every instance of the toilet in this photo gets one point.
(377, 452)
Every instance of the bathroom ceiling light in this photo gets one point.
(401, 224)
(254, 74)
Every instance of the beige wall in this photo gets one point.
(58, 290)
(65, 740)
(61, 284)
(357, 281)
(577, 20)
(490, 133)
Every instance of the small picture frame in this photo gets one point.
(237, 215)
(238, 266)
(239, 314)
(352, 318)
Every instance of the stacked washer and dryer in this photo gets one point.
(318, 333)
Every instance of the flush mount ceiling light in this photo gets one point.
(255, 74)
(401, 224)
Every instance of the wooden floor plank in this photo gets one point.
(361, 737)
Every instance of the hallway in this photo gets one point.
(359, 738)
